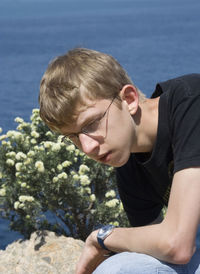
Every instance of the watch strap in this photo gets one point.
(101, 243)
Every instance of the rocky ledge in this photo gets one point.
(44, 253)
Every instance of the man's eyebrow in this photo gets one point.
(89, 119)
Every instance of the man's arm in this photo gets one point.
(173, 240)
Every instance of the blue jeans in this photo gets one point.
(135, 263)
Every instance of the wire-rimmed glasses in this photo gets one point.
(90, 129)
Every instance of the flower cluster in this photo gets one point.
(39, 174)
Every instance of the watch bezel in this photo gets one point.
(103, 233)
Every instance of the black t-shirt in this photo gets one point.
(144, 182)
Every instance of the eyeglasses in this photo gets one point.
(90, 129)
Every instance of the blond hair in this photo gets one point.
(69, 78)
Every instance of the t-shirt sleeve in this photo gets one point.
(185, 124)
(139, 199)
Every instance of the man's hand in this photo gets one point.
(91, 256)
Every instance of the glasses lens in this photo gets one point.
(92, 127)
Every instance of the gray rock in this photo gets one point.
(44, 253)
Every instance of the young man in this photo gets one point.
(154, 144)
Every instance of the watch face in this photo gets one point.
(105, 230)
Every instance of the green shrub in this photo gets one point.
(41, 176)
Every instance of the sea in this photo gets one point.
(154, 41)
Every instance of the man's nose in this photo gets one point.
(88, 144)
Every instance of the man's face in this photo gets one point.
(110, 131)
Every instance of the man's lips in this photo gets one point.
(103, 157)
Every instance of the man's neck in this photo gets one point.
(146, 125)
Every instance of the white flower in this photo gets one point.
(112, 203)
(83, 169)
(31, 153)
(4, 143)
(76, 177)
(1, 130)
(40, 166)
(59, 167)
(77, 152)
(110, 193)
(17, 174)
(19, 127)
(48, 144)
(20, 156)
(18, 135)
(22, 125)
(14, 134)
(92, 197)
(3, 137)
(19, 120)
(21, 205)
(28, 161)
(10, 162)
(59, 139)
(70, 148)
(56, 147)
(18, 166)
(117, 215)
(62, 175)
(33, 141)
(87, 190)
(49, 134)
(35, 134)
(16, 205)
(11, 154)
(23, 184)
(2, 192)
(10, 133)
(55, 179)
(66, 163)
(84, 180)
(26, 198)
(36, 148)
(27, 139)
(36, 111)
(8, 144)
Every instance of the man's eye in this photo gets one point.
(92, 127)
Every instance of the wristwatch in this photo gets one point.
(103, 233)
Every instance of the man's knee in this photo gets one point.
(128, 262)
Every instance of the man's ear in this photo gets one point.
(129, 94)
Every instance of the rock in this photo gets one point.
(44, 253)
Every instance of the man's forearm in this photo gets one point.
(151, 240)
(146, 239)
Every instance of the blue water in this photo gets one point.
(154, 40)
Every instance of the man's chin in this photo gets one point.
(118, 161)
(111, 159)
